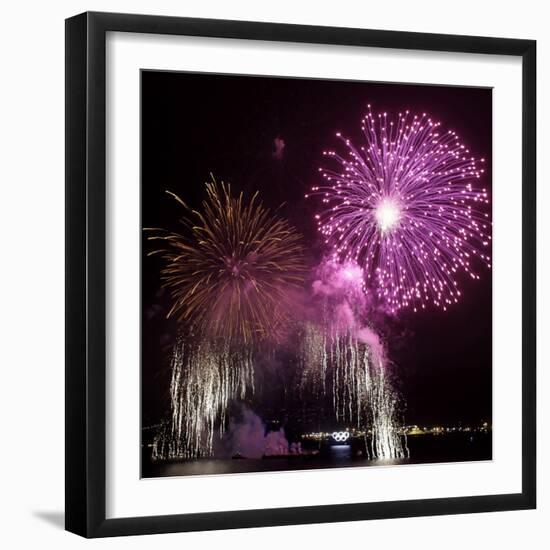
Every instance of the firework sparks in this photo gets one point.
(231, 277)
(404, 207)
(342, 353)
(233, 274)
(206, 378)
(362, 389)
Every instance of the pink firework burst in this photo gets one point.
(405, 208)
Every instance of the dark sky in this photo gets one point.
(197, 124)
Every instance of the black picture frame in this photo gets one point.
(86, 278)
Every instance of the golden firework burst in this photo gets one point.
(234, 271)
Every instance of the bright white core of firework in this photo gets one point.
(387, 214)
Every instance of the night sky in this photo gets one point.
(197, 124)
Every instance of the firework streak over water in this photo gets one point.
(232, 278)
(405, 205)
(206, 378)
(340, 352)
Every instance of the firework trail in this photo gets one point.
(233, 273)
(404, 207)
(206, 378)
(341, 353)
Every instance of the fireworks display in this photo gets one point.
(342, 353)
(404, 206)
(232, 274)
(206, 379)
(363, 393)
(274, 334)
(233, 271)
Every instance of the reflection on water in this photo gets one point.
(341, 452)
(423, 449)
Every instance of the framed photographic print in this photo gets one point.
(300, 274)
